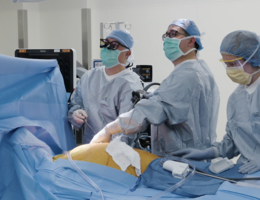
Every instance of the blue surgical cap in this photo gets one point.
(242, 44)
(123, 37)
(190, 27)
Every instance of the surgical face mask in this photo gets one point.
(171, 47)
(237, 73)
(110, 57)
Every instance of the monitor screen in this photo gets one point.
(145, 72)
(65, 58)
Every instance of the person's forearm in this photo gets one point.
(132, 122)
(113, 127)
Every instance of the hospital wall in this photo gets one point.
(8, 27)
(61, 25)
(57, 24)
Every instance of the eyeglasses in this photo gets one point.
(104, 43)
(232, 63)
(172, 34)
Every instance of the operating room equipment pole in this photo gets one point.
(117, 25)
(22, 29)
(86, 37)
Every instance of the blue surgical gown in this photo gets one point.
(103, 100)
(183, 110)
(243, 126)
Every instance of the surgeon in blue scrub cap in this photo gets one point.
(189, 27)
(183, 111)
(105, 92)
(241, 58)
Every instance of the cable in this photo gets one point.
(150, 85)
(217, 177)
(226, 178)
(231, 181)
(85, 120)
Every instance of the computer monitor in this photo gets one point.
(66, 59)
(145, 72)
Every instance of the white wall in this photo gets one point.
(33, 17)
(51, 24)
(8, 32)
(60, 25)
(8, 27)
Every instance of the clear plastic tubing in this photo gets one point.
(84, 175)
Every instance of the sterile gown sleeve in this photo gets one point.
(243, 126)
(227, 147)
(171, 101)
(76, 103)
(125, 104)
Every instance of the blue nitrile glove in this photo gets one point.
(250, 167)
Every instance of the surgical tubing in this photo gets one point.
(177, 185)
(84, 175)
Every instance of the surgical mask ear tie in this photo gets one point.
(127, 62)
(251, 55)
(193, 49)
